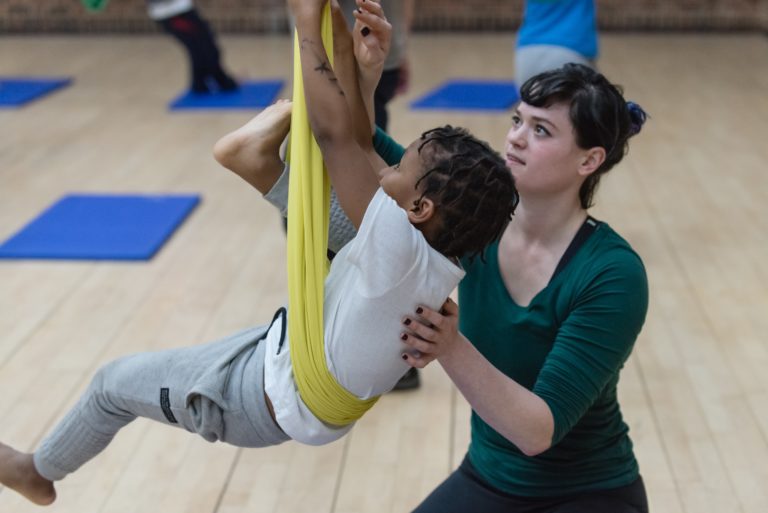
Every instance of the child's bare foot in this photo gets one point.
(252, 151)
(17, 472)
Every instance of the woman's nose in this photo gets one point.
(516, 136)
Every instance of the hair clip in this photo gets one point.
(637, 117)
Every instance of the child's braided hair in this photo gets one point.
(471, 187)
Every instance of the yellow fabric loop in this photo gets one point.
(308, 214)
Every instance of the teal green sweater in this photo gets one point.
(389, 150)
(568, 347)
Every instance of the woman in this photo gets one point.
(547, 320)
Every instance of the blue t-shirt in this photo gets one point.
(568, 23)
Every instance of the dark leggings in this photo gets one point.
(465, 492)
(204, 56)
(385, 91)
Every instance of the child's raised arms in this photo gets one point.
(352, 175)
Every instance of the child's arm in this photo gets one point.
(345, 67)
(358, 63)
(351, 173)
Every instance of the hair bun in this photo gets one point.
(637, 117)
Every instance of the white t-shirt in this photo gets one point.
(382, 275)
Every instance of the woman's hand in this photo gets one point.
(431, 334)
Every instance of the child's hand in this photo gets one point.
(372, 36)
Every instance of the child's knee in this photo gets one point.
(119, 374)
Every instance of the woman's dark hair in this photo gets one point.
(599, 114)
(472, 188)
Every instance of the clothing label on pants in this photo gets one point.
(165, 404)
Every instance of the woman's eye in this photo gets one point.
(515, 120)
(540, 130)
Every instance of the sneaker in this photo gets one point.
(225, 82)
(409, 381)
(199, 86)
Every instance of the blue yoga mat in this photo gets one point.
(16, 92)
(250, 95)
(470, 95)
(101, 227)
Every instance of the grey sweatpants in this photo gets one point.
(215, 390)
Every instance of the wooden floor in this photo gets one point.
(691, 197)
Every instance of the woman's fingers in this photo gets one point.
(451, 308)
(371, 6)
(433, 319)
(417, 342)
(420, 328)
(377, 25)
(428, 332)
(417, 360)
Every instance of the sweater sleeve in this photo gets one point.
(387, 148)
(594, 341)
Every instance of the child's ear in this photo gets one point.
(422, 212)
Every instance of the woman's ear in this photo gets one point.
(422, 211)
(592, 159)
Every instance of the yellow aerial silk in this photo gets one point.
(308, 213)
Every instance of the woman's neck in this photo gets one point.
(547, 222)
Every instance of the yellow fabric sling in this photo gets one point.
(308, 214)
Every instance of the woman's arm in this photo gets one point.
(591, 345)
(515, 412)
(351, 173)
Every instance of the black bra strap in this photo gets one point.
(587, 228)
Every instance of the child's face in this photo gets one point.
(399, 181)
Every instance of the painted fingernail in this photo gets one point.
(365, 31)
(407, 321)
(419, 310)
(404, 336)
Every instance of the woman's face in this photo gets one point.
(541, 150)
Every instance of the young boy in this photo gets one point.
(448, 197)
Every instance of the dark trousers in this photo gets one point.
(385, 91)
(204, 56)
(466, 492)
